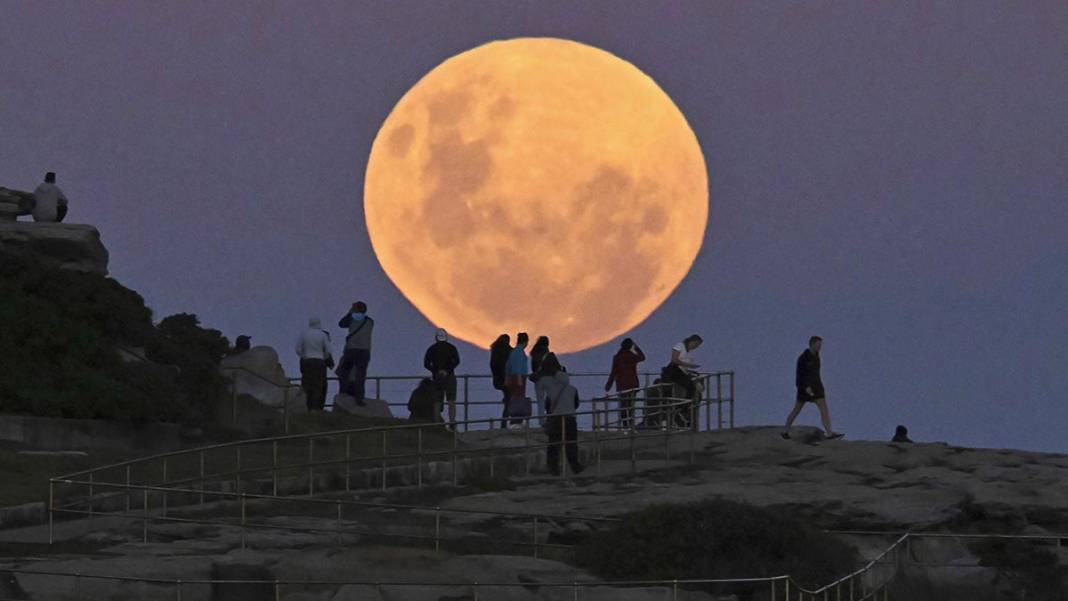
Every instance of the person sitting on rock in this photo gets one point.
(50, 204)
(901, 434)
(424, 403)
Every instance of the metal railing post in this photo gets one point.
(237, 470)
(51, 507)
(455, 475)
(91, 498)
(277, 591)
(597, 448)
(311, 467)
(144, 516)
(535, 537)
(339, 522)
(675, 590)
(178, 591)
(285, 409)
(384, 432)
(378, 388)
(732, 398)
(233, 398)
(719, 402)
(437, 529)
(274, 468)
(419, 458)
(467, 418)
(242, 520)
(348, 462)
(526, 449)
(164, 484)
(633, 455)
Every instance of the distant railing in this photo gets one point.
(717, 391)
(275, 463)
(870, 583)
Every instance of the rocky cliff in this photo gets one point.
(64, 245)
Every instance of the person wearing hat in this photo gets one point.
(441, 360)
(241, 344)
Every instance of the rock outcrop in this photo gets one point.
(64, 245)
(14, 203)
(258, 373)
(344, 403)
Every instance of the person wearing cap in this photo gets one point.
(313, 348)
(241, 344)
(50, 204)
(441, 360)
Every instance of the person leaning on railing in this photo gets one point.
(683, 371)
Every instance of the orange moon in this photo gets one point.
(537, 185)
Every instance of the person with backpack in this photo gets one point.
(516, 371)
(562, 429)
(441, 360)
(537, 356)
(352, 371)
(624, 375)
(313, 348)
(499, 352)
(683, 371)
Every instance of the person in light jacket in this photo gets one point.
(562, 428)
(313, 348)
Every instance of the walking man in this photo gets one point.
(352, 371)
(313, 348)
(441, 360)
(810, 388)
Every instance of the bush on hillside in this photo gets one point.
(715, 539)
(58, 349)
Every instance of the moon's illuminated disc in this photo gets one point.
(536, 185)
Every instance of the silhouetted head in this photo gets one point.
(502, 340)
(627, 344)
(542, 342)
(562, 377)
(901, 431)
(815, 344)
(50, 177)
(521, 339)
(693, 341)
(359, 307)
(242, 343)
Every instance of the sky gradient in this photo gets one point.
(891, 176)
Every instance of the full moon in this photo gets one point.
(537, 185)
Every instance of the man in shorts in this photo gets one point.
(810, 388)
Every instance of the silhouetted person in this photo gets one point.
(624, 375)
(499, 351)
(562, 428)
(352, 371)
(810, 388)
(313, 348)
(901, 434)
(538, 352)
(683, 371)
(241, 344)
(424, 402)
(515, 380)
(441, 360)
(50, 204)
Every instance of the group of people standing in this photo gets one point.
(314, 350)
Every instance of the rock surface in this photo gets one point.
(14, 203)
(258, 373)
(344, 403)
(65, 245)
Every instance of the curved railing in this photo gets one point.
(872, 582)
(283, 469)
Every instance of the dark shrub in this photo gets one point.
(60, 332)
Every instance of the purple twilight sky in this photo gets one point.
(892, 176)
